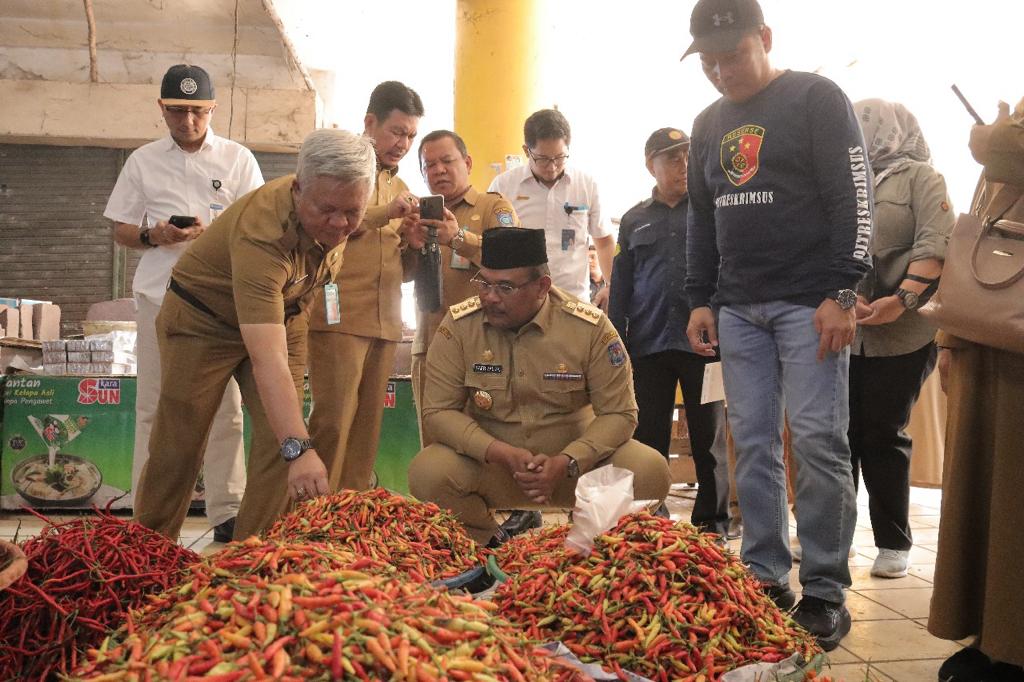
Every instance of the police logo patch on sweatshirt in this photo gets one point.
(739, 153)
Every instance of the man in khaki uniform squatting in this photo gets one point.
(237, 306)
(446, 165)
(351, 359)
(526, 389)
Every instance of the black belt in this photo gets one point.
(184, 295)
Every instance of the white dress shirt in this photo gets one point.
(160, 179)
(567, 212)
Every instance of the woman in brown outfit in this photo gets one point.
(981, 536)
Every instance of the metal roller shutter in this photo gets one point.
(55, 243)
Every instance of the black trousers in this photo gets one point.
(655, 377)
(883, 391)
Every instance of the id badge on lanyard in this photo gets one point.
(332, 303)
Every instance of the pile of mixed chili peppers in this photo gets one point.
(83, 576)
(418, 538)
(654, 598)
(345, 624)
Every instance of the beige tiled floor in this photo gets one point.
(888, 640)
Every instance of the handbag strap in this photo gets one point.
(1003, 201)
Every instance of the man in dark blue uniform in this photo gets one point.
(649, 309)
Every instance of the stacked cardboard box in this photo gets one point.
(27, 319)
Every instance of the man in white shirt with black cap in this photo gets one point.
(192, 175)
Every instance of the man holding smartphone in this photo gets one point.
(352, 348)
(446, 165)
(166, 195)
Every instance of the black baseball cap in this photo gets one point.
(719, 25)
(504, 248)
(663, 140)
(187, 85)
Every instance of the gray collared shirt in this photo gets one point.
(913, 219)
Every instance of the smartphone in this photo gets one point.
(182, 221)
(432, 207)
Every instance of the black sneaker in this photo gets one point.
(828, 621)
(499, 538)
(783, 597)
(964, 666)
(224, 531)
(520, 521)
(1003, 672)
(662, 511)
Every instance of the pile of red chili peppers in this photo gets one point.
(654, 598)
(418, 538)
(344, 624)
(83, 576)
(521, 552)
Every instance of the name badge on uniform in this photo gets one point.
(568, 239)
(332, 303)
(215, 211)
(486, 368)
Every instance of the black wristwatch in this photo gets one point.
(846, 298)
(909, 299)
(144, 238)
(292, 448)
(573, 468)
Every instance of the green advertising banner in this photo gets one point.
(67, 441)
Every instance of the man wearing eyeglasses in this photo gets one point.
(193, 173)
(446, 165)
(564, 201)
(526, 389)
(352, 348)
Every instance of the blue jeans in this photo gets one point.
(770, 369)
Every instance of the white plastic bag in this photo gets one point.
(603, 496)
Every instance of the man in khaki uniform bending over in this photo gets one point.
(351, 358)
(526, 389)
(237, 306)
(446, 165)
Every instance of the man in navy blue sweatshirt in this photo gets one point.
(778, 233)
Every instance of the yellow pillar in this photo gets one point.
(496, 62)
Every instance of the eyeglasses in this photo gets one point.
(198, 112)
(503, 289)
(548, 160)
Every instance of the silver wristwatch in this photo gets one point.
(292, 448)
(846, 298)
(459, 239)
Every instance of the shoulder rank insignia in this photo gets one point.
(584, 311)
(460, 310)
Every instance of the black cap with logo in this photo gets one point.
(663, 140)
(513, 247)
(719, 25)
(187, 85)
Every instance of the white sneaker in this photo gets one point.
(891, 563)
(798, 552)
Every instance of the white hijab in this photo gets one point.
(893, 136)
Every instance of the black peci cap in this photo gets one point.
(187, 85)
(513, 247)
(719, 25)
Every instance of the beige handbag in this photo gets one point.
(981, 293)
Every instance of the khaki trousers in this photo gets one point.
(198, 356)
(224, 458)
(348, 377)
(471, 489)
(419, 375)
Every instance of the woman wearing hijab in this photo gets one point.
(981, 542)
(894, 351)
